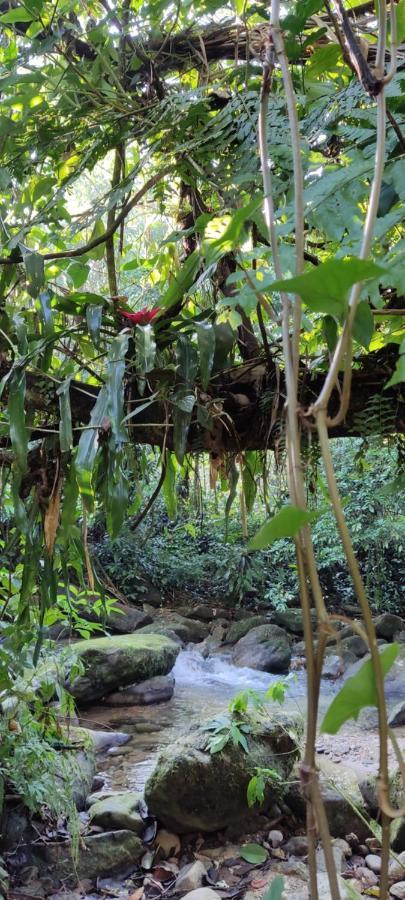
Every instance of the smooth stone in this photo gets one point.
(267, 648)
(188, 630)
(167, 843)
(119, 811)
(276, 838)
(291, 619)
(159, 689)
(336, 783)
(297, 845)
(344, 846)
(333, 666)
(387, 624)
(104, 740)
(373, 862)
(396, 868)
(398, 890)
(191, 877)
(338, 856)
(123, 619)
(202, 893)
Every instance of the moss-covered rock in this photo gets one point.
(291, 619)
(187, 630)
(191, 789)
(239, 629)
(111, 853)
(111, 663)
(118, 811)
(267, 647)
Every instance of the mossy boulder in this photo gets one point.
(238, 629)
(189, 631)
(114, 662)
(110, 853)
(291, 619)
(267, 647)
(194, 790)
(118, 811)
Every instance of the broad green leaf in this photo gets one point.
(224, 341)
(65, 424)
(275, 890)
(357, 692)
(187, 359)
(115, 385)
(34, 267)
(98, 231)
(78, 273)
(16, 410)
(181, 282)
(206, 347)
(94, 315)
(20, 14)
(284, 524)
(181, 424)
(400, 10)
(88, 446)
(363, 325)
(69, 507)
(248, 479)
(45, 299)
(169, 487)
(230, 228)
(330, 332)
(253, 853)
(324, 288)
(145, 352)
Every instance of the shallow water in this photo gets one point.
(204, 688)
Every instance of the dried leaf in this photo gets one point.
(51, 518)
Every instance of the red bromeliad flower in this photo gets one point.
(143, 317)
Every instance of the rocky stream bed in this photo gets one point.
(160, 816)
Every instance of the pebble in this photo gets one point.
(276, 838)
(366, 876)
(344, 846)
(398, 890)
(397, 867)
(191, 877)
(168, 843)
(373, 862)
(204, 893)
(297, 845)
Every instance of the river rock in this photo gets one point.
(110, 853)
(123, 619)
(373, 862)
(203, 893)
(397, 715)
(267, 648)
(115, 662)
(119, 811)
(166, 631)
(387, 625)
(188, 631)
(398, 890)
(193, 790)
(396, 868)
(337, 782)
(155, 690)
(168, 844)
(333, 666)
(191, 877)
(291, 619)
(238, 629)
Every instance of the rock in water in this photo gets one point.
(387, 625)
(155, 690)
(119, 811)
(397, 715)
(239, 629)
(111, 663)
(267, 648)
(193, 790)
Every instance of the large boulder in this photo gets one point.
(111, 663)
(194, 790)
(267, 648)
(344, 804)
(291, 619)
(118, 811)
(238, 629)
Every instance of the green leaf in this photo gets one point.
(88, 446)
(98, 231)
(330, 332)
(169, 487)
(363, 325)
(145, 353)
(224, 340)
(324, 288)
(16, 410)
(253, 853)
(284, 524)
(187, 359)
(275, 890)
(94, 315)
(181, 282)
(399, 374)
(78, 273)
(115, 386)
(248, 479)
(20, 14)
(357, 692)
(206, 347)
(400, 9)
(34, 267)
(231, 233)
(65, 424)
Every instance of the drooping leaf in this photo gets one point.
(88, 445)
(20, 14)
(34, 267)
(324, 288)
(181, 282)
(187, 359)
(16, 411)
(169, 486)
(94, 315)
(363, 325)
(285, 524)
(330, 332)
(399, 374)
(358, 692)
(115, 385)
(65, 424)
(145, 352)
(254, 853)
(206, 347)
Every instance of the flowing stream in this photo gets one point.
(204, 688)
